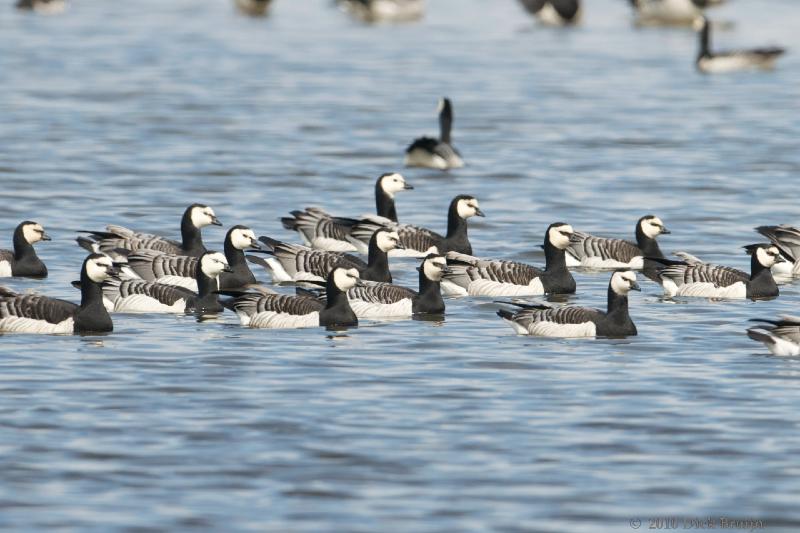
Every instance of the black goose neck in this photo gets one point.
(617, 308)
(337, 310)
(384, 204)
(22, 248)
(377, 263)
(456, 226)
(705, 38)
(192, 239)
(205, 284)
(234, 255)
(445, 122)
(648, 245)
(91, 291)
(429, 299)
(555, 259)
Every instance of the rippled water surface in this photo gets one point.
(126, 112)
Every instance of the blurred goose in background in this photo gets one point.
(573, 321)
(45, 7)
(322, 231)
(705, 280)
(438, 153)
(554, 12)
(781, 337)
(669, 12)
(23, 261)
(254, 8)
(729, 61)
(787, 239)
(34, 313)
(384, 10)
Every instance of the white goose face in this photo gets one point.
(393, 183)
(203, 216)
(100, 268)
(213, 264)
(34, 233)
(559, 236)
(346, 278)
(469, 207)
(387, 240)
(653, 227)
(624, 282)
(768, 256)
(243, 239)
(434, 268)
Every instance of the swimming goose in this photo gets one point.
(23, 261)
(116, 240)
(436, 153)
(787, 239)
(781, 337)
(33, 313)
(668, 12)
(180, 270)
(320, 230)
(44, 7)
(710, 62)
(384, 10)
(420, 242)
(574, 321)
(259, 310)
(599, 252)
(385, 300)
(485, 277)
(254, 8)
(554, 12)
(293, 262)
(705, 280)
(137, 295)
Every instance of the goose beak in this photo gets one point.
(359, 282)
(779, 259)
(479, 213)
(114, 270)
(46, 237)
(665, 231)
(227, 268)
(255, 244)
(446, 270)
(408, 187)
(215, 221)
(399, 246)
(574, 238)
(635, 286)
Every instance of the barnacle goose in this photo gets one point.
(781, 337)
(554, 12)
(668, 12)
(419, 242)
(710, 62)
(485, 277)
(254, 8)
(787, 239)
(384, 10)
(704, 280)
(117, 240)
(23, 261)
(33, 313)
(260, 310)
(385, 300)
(436, 153)
(180, 270)
(320, 230)
(138, 295)
(293, 262)
(45, 7)
(574, 321)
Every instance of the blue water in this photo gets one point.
(126, 112)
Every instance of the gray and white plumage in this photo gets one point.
(787, 239)
(554, 12)
(708, 61)
(590, 251)
(574, 321)
(253, 8)
(294, 262)
(781, 337)
(374, 11)
(668, 12)
(430, 152)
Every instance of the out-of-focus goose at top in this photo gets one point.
(265, 310)
(116, 240)
(180, 270)
(704, 280)
(384, 10)
(729, 61)
(44, 7)
(320, 230)
(669, 12)
(588, 251)
(23, 261)
(34, 313)
(436, 153)
(554, 12)
(574, 321)
(787, 239)
(420, 242)
(781, 337)
(254, 8)
(482, 277)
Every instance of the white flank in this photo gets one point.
(5, 269)
(329, 244)
(708, 290)
(485, 287)
(549, 16)
(781, 347)
(449, 288)
(595, 262)
(552, 329)
(421, 158)
(732, 63)
(279, 274)
(571, 260)
(140, 303)
(785, 269)
(15, 324)
(272, 320)
(363, 309)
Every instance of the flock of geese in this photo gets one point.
(131, 272)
